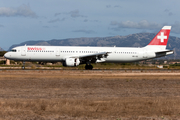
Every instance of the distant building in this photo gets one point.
(174, 62)
(2, 59)
(8, 62)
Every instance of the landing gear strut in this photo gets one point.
(23, 67)
(88, 67)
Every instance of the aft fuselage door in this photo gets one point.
(145, 55)
(23, 51)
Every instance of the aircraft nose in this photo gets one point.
(6, 55)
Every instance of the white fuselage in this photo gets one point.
(60, 53)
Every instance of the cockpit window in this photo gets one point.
(13, 50)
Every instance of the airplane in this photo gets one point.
(77, 55)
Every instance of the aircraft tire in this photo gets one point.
(88, 67)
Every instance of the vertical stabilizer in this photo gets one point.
(161, 39)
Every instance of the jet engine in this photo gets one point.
(70, 62)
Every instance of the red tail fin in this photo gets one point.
(162, 37)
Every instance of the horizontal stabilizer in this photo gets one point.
(164, 53)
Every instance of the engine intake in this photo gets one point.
(70, 62)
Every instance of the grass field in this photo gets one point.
(88, 95)
(34, 65)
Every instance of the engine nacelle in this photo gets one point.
(70, 62)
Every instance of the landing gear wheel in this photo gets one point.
(88, 67)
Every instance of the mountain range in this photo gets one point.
(1, 49)
(132, 40)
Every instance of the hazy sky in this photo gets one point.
(23, 20)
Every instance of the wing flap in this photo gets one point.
(92, 57)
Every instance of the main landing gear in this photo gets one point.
(88, 67)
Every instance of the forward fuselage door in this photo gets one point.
(23, 51)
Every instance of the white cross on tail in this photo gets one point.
(162, 37)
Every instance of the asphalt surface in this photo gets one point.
(108, 70)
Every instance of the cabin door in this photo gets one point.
(23, 51)
(57, 52)
(145, 55)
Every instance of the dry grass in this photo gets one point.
(81, 95)
(91, 109)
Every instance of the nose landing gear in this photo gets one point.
(23, 67)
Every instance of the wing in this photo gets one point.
(97, 57)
